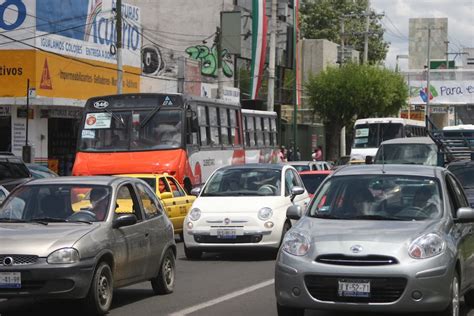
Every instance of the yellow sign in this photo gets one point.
(61, 76)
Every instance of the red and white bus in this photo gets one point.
(187, 137)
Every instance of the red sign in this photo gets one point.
(46, 77)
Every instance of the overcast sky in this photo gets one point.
(460, 14)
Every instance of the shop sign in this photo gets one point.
(97, 120)
(63, 113)
(439, 110)
(5, 111)
(21, 113)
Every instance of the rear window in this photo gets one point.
(13, 168)
(151, 182)
(312, 181)
(465, 174)
(418, 154)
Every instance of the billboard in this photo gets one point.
(442, 92)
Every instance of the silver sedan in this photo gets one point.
(380, 238)
(81, 237)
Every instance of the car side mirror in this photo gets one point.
(124, 220)
(294, 212)
(296, 191)
(196, 191)
(464, 215)
(166, 195)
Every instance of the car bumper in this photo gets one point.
(296, 285)
(41, 279)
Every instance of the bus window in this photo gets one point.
(214, 126)
(251, 130)
(234, 128)
(266, 130)
(224, 123)
(259, 131)
(203, 125)
(273, 131)
(390, 131)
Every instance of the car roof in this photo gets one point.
(275, 166)
(298, 163)
(83, 180)
(409, 140)
(315, 172)
(389, 169)
(144, 175)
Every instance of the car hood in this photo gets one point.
(375, 237)
(40, 240)
(246, 204)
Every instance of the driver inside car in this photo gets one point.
(99, 198)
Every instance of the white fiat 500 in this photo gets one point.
(243, 206)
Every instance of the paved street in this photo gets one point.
(218, 284)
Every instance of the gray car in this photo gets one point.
(381, 238)
(81, 237)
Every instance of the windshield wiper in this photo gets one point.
(149, 117)
(379, 218)
(16, 220)
(79, 221)
(118, 119)
(49, 219)
(328, 216)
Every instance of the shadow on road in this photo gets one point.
(235, 256)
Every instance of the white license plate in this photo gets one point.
(354, 288)
(227, 233)
(10, 280)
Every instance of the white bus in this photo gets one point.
(370, 132)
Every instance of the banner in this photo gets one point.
(442, 92)
(259, 45)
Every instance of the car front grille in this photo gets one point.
(247, 239)
(382, 290)
(19, 260)
(344, 260)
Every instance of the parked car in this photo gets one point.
(381, 239)
(39, 171)
(309, 165)
(175, 199)
(243, 206)
(49, 250)
(312, 179)
(13, 171)
(464, 171)
(410, 150)
(3, 194)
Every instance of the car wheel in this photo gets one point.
(181, 236)
(192, 254)
(289, 311)
(163, 283)
(99, 298)
(453, 307)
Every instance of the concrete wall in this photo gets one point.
(468, 58)
(316, 55)
(418, 44)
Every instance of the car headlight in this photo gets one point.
(265, 213)
(296, 243)
(426, 246)
(65, 255)
(195, 214)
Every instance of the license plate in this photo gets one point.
(10, 280)
(226, 233)
(354, 288)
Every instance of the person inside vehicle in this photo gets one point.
(361, 202)
(421, 197)
(99, 198)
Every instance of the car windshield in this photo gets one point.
(312, 181)
(465, 174)
(13, 168)
(378, 197)
(371, 135)
(244, 182)
(55, 203)
(418, 154)
(131, 130)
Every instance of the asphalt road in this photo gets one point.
(218, 284)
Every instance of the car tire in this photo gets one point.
(181, 236)
(163, 283)
(454, 306)
(289, 311)
(192, 254)
(99, 298)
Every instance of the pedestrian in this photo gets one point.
(298, 154)
(318, 154)
(282, 154)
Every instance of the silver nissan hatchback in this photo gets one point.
(380, 238)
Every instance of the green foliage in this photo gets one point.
(340, 95)
(320, 19)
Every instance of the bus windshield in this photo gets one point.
(135, 130)
(371, 135)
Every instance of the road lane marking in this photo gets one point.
(223, 298)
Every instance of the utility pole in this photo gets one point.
(220, 82)
(366, 34)
(342, 43)
(428, 91)
(447, 54)
(118, 26)
(271, 65)
(26, 154)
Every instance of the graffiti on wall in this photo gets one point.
(208, 58)
(152, 61)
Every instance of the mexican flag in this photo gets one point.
(259, 45)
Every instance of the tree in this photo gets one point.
(320, 19)
(341, 95)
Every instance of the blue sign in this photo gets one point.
(12, 5)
